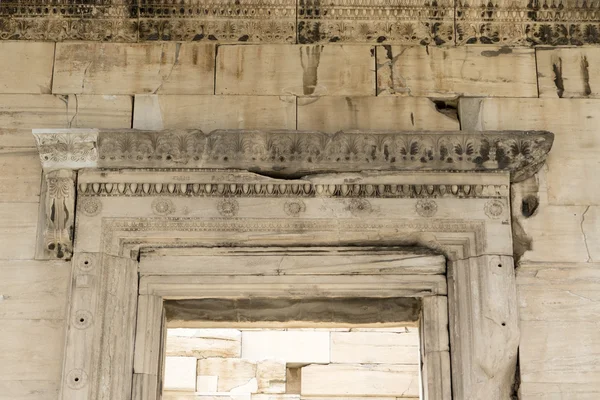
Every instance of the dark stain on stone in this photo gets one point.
(412, 119)
(310, 57)
(585, 73)
(244, 38)
(198, 37)
(496, 53)
(177, 50)
(195, 55)
(427, 49)
(529, 205)
(381, 39)
(212, 37)
(372, 52)
(334, 39)
(388, 52)
(558, 79)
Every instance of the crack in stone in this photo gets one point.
(584, 235)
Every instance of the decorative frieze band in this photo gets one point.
(546, 22)
(304, 189)
(297, 153)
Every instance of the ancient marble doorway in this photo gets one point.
(118, 194)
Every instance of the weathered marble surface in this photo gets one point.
(283, 70)
(569, 72)
(113, 69)
(441, 72)
(26, 67)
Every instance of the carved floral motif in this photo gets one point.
(426, 208)
(162, 206)
(90, 206)
(228, 207)
(494, 209)
(294, 207)
(67, 149)
(360, 207)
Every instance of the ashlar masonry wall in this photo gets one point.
(556, 215)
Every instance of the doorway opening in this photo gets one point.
(286, 349)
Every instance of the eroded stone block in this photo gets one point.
(375, 348)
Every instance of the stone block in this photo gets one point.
(27, 111)
(33, 289)
(207, 383)
(18, 230)
(568, 72)
(214, 112)
(205, 396)
(180, 373)
(295, 70)
(561, 353)
(31, 349)
(299, 347)
(271, 376)
(263, 396)
(374, 348)
(439, 72)
(360, 380)
(20, 168)
(29, 390)
(26, 67)
(204, 343)
(332, 114)
(119, 68)
(232, 372)
(573, 161)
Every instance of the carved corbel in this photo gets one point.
(62, 153)
(58, 213)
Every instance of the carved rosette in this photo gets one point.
(228, 207)
(494, 209)
(163, 207)
(426, 208)
(294, 208)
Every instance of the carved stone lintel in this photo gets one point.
(297, 153)
(57, 215)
